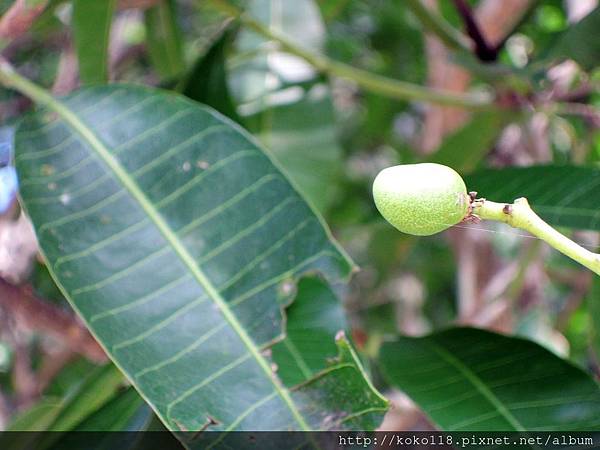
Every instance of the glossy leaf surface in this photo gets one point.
(177, 239)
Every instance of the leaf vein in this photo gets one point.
(130, 269)
(223, 370)
(160, 325)
(177, 356)
(139, 301)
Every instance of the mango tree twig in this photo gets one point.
(44, 317)
(375, 83)
(520, 215)
(483, 50)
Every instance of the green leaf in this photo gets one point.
(97, 389)
(207, 81)
(280, 102)
(473, 380)
(36, 418)
(63, 414)
(163, 39)
(56, 414)
(464, 149)
(111, 426)
(177, 239)
(302, 137)
(91, 32)
(564, 196)
(332, 9)
(340, 397)
(118, 414)
(579, 42)
(76, 371)
(313, 320)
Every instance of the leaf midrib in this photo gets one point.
(178, 247)
(477, 383)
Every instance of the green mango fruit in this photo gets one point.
(421, 199)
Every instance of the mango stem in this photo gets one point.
(520, 215)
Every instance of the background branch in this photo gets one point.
(375, 83)
(44, 317)
(483, 50)
(497, 20)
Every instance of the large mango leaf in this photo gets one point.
(177, 239)
(565, 196)
(343, 384)
(473, 380)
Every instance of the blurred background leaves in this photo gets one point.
(331, 137)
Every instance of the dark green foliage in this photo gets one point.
(91, 32)
(473, 380)
(207, 81)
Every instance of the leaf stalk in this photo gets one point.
(10, 78)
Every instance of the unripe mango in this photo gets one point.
(421, 199)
